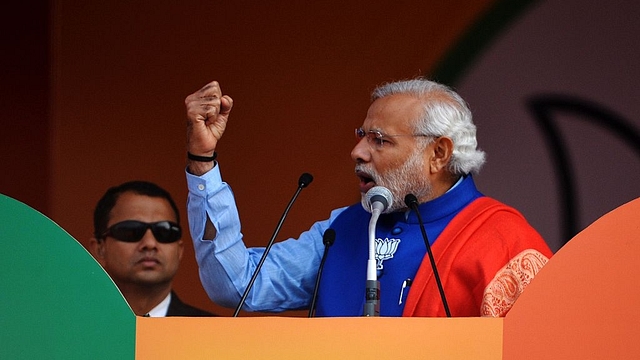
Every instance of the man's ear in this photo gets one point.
(441, 154)
(180, 249)
(96, 248)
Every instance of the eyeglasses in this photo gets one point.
(377, 138)
(132, 231)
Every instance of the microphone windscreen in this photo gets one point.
(305, 180)
(329, 237)
(410, 200)
(379, 194)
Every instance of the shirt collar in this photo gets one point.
(460, 194)
(161, 309)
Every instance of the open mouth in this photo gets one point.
(366, 180)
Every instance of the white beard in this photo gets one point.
(404, 180)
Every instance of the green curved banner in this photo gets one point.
(56, 302)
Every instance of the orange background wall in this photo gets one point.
(94, 97)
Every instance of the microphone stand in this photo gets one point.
(304, 181)
(372, 292)
(379, 198)
(412, 202)
(327, 239)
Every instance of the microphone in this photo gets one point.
(304, 181)
(327, 239)
(378, 198)
(412, 202)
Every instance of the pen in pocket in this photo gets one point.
(405, 284)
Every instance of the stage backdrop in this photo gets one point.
(94, 95)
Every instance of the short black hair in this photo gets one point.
(103, 209)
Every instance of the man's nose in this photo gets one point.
(361, 152)
(148, 240)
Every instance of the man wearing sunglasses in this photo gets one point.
(418, 138)
(137, 240)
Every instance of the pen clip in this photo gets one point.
(405, 284)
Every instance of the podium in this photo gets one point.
(58, 303)
(319, 338)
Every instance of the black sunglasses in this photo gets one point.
(133, 230)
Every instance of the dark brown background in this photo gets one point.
(93, 96)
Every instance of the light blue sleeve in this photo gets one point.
(287, 277)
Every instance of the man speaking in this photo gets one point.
(418, 141)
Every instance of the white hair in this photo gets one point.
(445, 114)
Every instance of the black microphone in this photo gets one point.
(304, 181)
(327, 239)
(412, 202)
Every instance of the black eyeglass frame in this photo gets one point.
(131, 231)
